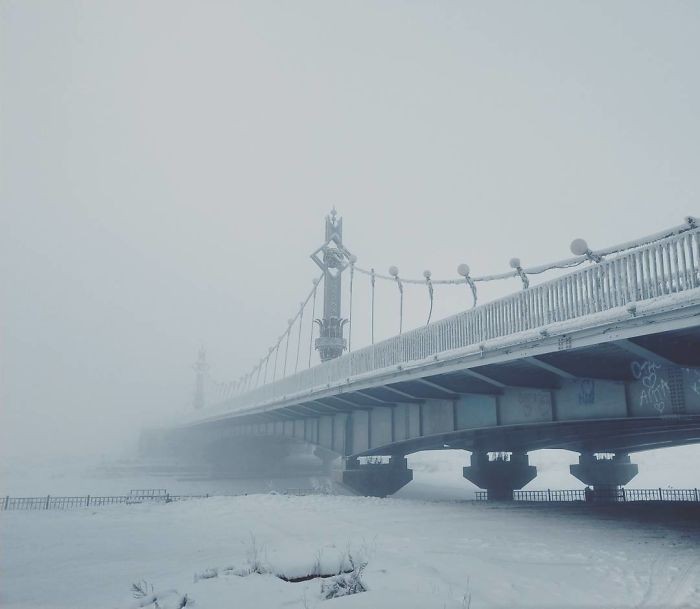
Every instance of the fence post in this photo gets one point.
(696, 495)
(549, 495)
(87, 502)
(7, 500)
(624, 495)
(47, 502)
(660, 497)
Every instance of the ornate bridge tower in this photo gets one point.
(200, 367)
(332, 258)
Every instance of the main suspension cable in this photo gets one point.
(313, 318)
(301, 323)
(352, 275)
(372, 281)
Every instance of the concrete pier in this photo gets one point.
(327, 457)
(501, 474)
(607, 475)
(375, 479)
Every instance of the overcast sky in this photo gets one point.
(166, 168)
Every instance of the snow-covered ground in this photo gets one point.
(419, 555)
(425, 547)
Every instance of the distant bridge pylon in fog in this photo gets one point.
(604, 360)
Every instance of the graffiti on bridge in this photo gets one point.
(655, 389)
(695, 380)
(586, 392)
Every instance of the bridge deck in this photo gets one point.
(604, 358)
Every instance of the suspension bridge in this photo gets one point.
(603, 359)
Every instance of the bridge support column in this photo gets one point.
(375, 479)
(606, 475)
(501, 475)
(326, 456)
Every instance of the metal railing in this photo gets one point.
(667, 266)
(64, 503)
(135, 496)
(149, 493)
(616, 495)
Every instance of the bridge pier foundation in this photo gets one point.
(501, 475)
(606, 475)
(375, 479)
(327, 457)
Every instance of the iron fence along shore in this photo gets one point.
(63, 503)
(49, 502)
(665, 267)
(623, 495)
(636, 495)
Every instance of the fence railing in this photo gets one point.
(147, 492)
(667, 266)
(64, 503)
(135, 496)
(604, 495)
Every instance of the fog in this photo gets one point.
(167, 166)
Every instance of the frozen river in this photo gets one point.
(427, 546)
(418, 554)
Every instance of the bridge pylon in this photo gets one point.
(332, 258)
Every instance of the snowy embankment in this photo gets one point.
(418, 554)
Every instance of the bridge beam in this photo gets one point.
(550, 368)
(331, 406)
(348, 405)
(442, 392)
(644, 353)
(482, 377)
(402, 399)
(403, 395)
(500, 476)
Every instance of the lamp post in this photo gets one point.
(464, 270)
(579, 247)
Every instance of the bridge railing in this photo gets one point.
(667, 266)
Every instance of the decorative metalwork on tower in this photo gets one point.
(200, 367)
(332, 258)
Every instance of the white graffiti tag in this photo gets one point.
(655, 390)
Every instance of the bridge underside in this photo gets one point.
(633, 387)
(630, 394)
(596, 436)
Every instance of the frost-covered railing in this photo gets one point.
(667, 266)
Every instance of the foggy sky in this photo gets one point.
(166, 168)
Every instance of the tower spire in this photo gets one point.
(200, 367)
(332, 258)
